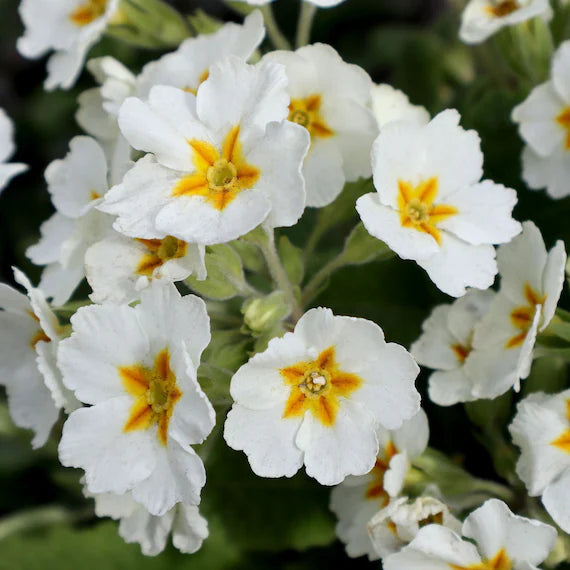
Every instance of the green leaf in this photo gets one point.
(250, 255)
(361, 247)
(225, 274)
(292, 259)
(490, 414)
(548, 374)
(227, 349)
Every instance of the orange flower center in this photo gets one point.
(317, 386)
(159, 252)
(500, 561)
(194, 90)
(564, 121)
(375, 490)
(522, 317)
(87, 12)
(502, 9)
(307, 113)
(219, 177)
(563, 442)
(39, 335)
(155, 392)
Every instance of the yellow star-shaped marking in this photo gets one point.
(500, 561)
(564, 121)
(159, 252)
(87, 12)
(376, 491)
(501, 9)
(307, 113)
(563, 441)
(521, 317)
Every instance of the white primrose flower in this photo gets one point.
(544, 125)
(398, 524)
(531, 283)
(7, 170)
(136, 368)
(186, 68)
(30, 335)
(188, 528)
(391, 105)
(331, 99)
(357, 499)
(68, 28)
(501, 541)
(430, 205)
(446, 343)
(541, 428)
(317, 396)
(483, 18)
(76, 185)
(220, 162)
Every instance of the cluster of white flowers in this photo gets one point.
(203, 148)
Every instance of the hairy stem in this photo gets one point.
(305, 24)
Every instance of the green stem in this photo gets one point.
(319, 229)
(273, 31)
(278, 273)
(312, 288)
(305, 24)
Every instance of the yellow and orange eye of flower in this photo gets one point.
(307, 113)
(155, 392)
(194, 90)
(87, 12)
(159, 252)
(500, 561)
(317, 386)
(564, 121)
(39, 335)
(417, 208)
(501, 9)
(522, 317)
(375, 490)
(219, 177)
(563, 441)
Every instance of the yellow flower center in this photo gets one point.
(219, 177)
(194, 90)
(417, 208)
(159, 252)
(39, 335)
(502, 9)
(563, 441)
(500, 561)
(564, 121)
(155, 392)
(317, 386)
(307, 113)
(87, 12)
(522, 317)
(375, 490)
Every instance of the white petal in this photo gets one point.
(448, 387)
(560, 73)
(413, 436)
(556, 501)
(55, 231)
(553, 281)
(149, 531)
(189, 530)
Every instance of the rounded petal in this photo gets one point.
(448, 387)
(149, 531)
(560, 73)
(556, 501)
(189, 530)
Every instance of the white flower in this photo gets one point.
(331, 99)
(357, 499)
(68, 28)
(531, 283)
(29, 337)
(188, 528)
(118, 267)
(316, 397)
(136, 368)
(541, 428)
(544, 125)
(390, 105)
(398, 524)
(482, 18)
(185, 68)
(7, 148)
(430, 205)
(445, 346)
(222, 162)
(76, 184)
(502, 541)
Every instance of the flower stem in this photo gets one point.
(305, 24)
(312, 288)
(278, 273)
(275, 34)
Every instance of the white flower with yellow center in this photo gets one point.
(398, 524)
(541, 428)
(76, 184)
(68, 28)
(29, 337)
(184, 522)
(317, 397)
(331, 99)
(446, 343)
(430, 205)
(531, 283)
(136, 368)
(544, 125)
(498, 540)
(220, 163)
(357, 499)
(390, 105)
(483, 18)
(7, 169)
(186, 68)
